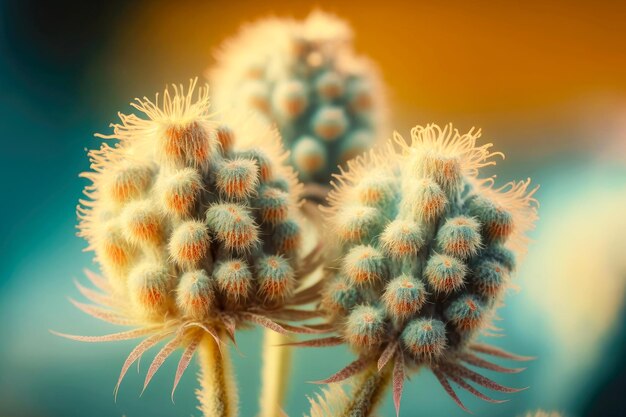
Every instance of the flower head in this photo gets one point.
(427, 248)
(193, 220)
(305, 77)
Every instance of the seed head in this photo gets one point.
(305, 77)
(195, 223)
(429, 246)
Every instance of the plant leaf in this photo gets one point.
(467, 387)
(160, 357)
(136, 353)
(387, 354)
(398, 381)
(102, 314)
(322, 342)
(265, 322)
(184, 361)
(446, 385)
(97, 280)
(494, 351)
(94, 296)
(482, 363)
(479, 379)
(350, 370)
(127, 335)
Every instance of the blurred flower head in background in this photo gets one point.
(304, 76)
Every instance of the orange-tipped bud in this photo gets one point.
(189, 243)
(128, 182)
(185, 144)
(149, 286)
(142, 223)
(237, 179)
(179, 191)
(404, 296)
(194, 295)
(364, 265)
(225, 138)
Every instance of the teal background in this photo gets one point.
(50, 106)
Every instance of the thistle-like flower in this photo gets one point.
(427, 252)
(304, 76)
(194, 223)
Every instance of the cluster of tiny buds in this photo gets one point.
(196, 224)
(322, 98)
(424, 249)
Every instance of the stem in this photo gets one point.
(218, 392)
(276, 367)
(368, 391)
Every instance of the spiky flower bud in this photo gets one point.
(359, 223)
(404, 296)
(189, 243)
(497, 222)
(304, 76)
(128, 181)
(195, 296)
(366, 326)
(233, 226)
(402, 238)
(194, 222)
(276, 278)
(445, 274)
(489, 277)
(340, 296)
(237, 179)
(466, 312)
(142, 223)
(439, 264)
(234, 279)
(460, 237)
(364, 265)
(179, 192)
(424, 338)
(149, 285)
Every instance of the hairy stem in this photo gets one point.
(218, 392)
(367, 392)
(276, 367)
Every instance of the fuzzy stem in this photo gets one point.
(276, 367)
(218, 393)
(368, 391)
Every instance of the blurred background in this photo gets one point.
(546, 81)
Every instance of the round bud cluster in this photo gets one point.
(190, 215)
(305, 77)
(427, 248)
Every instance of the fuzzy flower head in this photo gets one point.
(427, 250)
(193, 221)
(304, 76)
